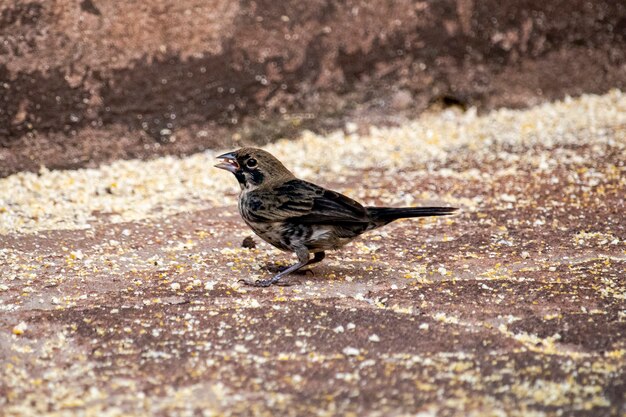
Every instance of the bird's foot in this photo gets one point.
(256, 282)
(265, 282)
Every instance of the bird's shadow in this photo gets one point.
(318, 270)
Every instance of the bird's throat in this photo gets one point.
(241, 178)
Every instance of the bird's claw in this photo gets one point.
(265, 283)
(255, 283)
(261, 283)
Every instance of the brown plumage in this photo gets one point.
(301, 217)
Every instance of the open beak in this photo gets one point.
(229, 162)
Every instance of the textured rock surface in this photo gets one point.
(88, 81)
(119, 292)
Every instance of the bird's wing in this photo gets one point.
(304, 202)
(332, 207)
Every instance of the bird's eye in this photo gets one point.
(251, 163)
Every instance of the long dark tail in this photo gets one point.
(386, 215)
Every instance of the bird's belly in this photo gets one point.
(271, 233)
(314, 237)
(289, 236)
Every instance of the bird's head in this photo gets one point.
(254, 167)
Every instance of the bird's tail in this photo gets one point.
(384, 215)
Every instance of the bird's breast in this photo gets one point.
(253, 208)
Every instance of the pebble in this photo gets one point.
(402, 99)
(20, 328)
(351, 351)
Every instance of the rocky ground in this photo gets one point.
(119, 285)
(92, 81)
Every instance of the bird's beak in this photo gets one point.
(229, 162)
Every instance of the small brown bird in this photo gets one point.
(301, 217)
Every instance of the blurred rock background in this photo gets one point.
(86, 81)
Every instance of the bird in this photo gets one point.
(298, 216)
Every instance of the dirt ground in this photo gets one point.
(120, 296)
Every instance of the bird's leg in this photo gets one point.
(317, 257)
(303, 259)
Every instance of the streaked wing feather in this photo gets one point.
(322, 205)
(332, 207)
(303, 202)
